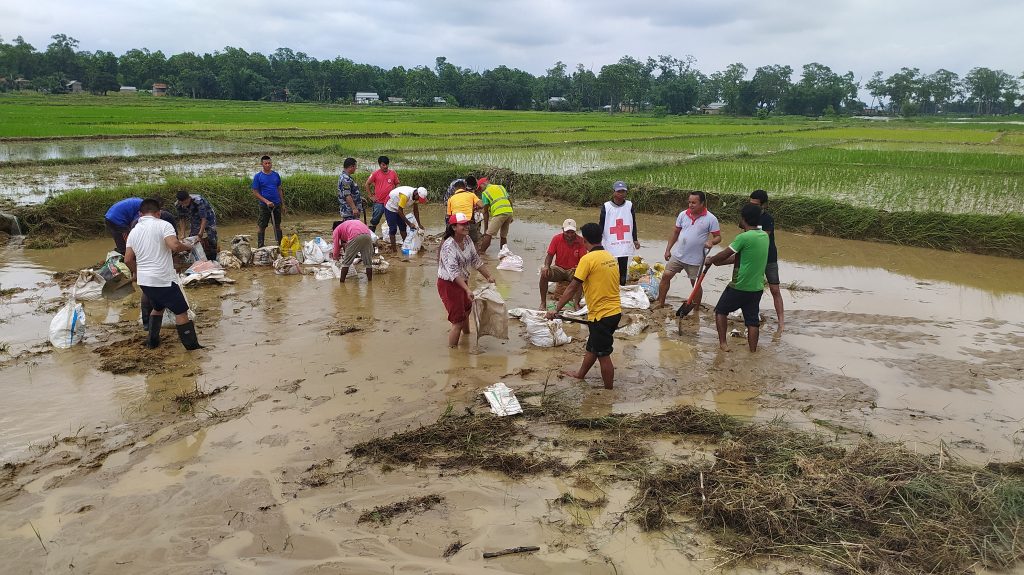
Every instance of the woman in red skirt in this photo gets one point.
(456, 260)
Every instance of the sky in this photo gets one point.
(848, 35)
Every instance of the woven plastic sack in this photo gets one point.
(489, 313)
(68, 325)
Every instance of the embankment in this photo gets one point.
(79, 214)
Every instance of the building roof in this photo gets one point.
(714, 106)
(367, 95)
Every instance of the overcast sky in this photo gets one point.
(858, 35)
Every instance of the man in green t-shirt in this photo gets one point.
(497, 213)
(749, 255)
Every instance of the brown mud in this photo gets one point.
(115, 477)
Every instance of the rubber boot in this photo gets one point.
(147, 311)
(187, 335)
(260, 238)
(153, 341)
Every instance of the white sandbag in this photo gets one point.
(327, 271)
(509, 261)
(412, 243)
(312, 254)
(503, 401)
(326, 247)
(489, 313)
(287, 266)
(68, 325)
(227, 260)
(265, 256)
(632, 324)
(198, 253)
(542, 332)
(241, 249)
(88, 286)
(633, 297)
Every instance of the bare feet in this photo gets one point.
(723, 347)
(572, 374)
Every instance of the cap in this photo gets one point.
(569, 224)
(458, 218)
(482, 182)
(421, 194)
(182, 195)
(619, 185)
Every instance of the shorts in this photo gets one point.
(675, 266)
(360, 246)
(169, 297)
(771, 273)
(733, 299)
(602, 335)
(557, 274)
(455, 300)
(378, 215)
(395, 222)
(264, 218)
(474, 232)
(499, 223)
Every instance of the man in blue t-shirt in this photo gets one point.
(266, 186)
(118, 220)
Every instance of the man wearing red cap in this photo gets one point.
(497, 213)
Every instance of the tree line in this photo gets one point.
(666, 84)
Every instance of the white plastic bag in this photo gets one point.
(502, 400)
(328, 271)
(68, 326)
(198, 253)
(312, 254)
(509, 261)
(88, 286)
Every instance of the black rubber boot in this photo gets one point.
(147, 312)
(260, 238)
(155, 322)
(187, 335)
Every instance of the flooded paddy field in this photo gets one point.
(121, 467)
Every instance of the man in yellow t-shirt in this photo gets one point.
(463, 201)
(598, 275)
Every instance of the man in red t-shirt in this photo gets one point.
(383, 181)
(565, 250)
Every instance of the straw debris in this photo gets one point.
(684, 420)
(383, 514)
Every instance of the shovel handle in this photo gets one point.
(570, 319)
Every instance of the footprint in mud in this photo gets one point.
(129, 356)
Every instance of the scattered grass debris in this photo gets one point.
(186, 401)
(383, 514)
(318, 474)
(452, 549)
(684, 420)
(569, 500)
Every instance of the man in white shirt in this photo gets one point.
(696, 231)
(149, 255)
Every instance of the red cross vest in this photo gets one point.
(618, 229)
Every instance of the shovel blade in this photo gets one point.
(685, 309)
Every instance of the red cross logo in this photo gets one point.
(620, 229)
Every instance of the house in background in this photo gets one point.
(713, 109)
(439, 101)
(367, 98)
(159, 89)
(73, 87)
(396, 101)
(557, 103)
(128, 90)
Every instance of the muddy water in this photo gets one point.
(913, 345)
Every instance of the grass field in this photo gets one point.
(51, 145)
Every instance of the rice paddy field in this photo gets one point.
(103, 146)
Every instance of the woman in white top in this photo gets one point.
(456, 260)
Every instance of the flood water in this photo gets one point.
(34, 151)
(913, 345)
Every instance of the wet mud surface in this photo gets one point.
(254, 473)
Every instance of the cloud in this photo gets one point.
(858, 35)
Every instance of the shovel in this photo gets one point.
(687, 307)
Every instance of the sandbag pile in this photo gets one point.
(241, 249)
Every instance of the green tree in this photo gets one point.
(986, 87)
(421, 86)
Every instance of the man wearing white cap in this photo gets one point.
(618, 224)
(564, 253)
(394, 210)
